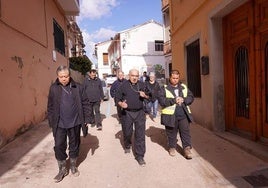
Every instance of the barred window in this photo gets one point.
(242, 82)
(193, 68)
(159, 45)
(58, 38)
(105, 58)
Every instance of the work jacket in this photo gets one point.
(167, 100)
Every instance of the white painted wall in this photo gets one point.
(139, 51)
(103, 48)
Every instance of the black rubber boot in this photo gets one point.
(62, 171)
(73, 167)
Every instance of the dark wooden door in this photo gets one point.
(261, 20)
(239, 69)
(264, 76)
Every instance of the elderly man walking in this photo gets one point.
(130, 98)
(67, 111)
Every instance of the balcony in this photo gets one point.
(69, 7)
(165, 4)
(167, 48)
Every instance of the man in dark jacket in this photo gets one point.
(67, 110)
(130, 98)
(153, 87)
(144, 77)
(113, 91)
(94, 91)
(175, 99)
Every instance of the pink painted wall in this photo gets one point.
(26, 65)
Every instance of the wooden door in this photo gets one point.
(264, 75)
(261, 10)
(239, 69)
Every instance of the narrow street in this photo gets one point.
(29, 160)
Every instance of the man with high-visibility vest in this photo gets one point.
(175, 99)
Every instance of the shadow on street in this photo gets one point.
(27, 141)
(119, 136)
(89, 143)
(158, 136)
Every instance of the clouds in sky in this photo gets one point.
(96, 9)
(92, 10)
(90, 39)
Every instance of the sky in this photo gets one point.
(99, 20)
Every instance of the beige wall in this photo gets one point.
(26, 65)
(201, 19)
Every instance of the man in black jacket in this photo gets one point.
(130, 98)
(114, 88)
(94, 91)
(175, 99)
(153, 87)
(67, 110)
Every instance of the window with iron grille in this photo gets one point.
(193, 68)
(158, 45)
(58, 38)
(241, 82)
(105, 58)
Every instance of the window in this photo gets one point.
(158, 45)
(242, 84)
(58, 38)
(105, 58)
(193, 68)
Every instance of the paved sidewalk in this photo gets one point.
(29, 160)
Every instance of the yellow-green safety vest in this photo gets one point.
(170, 110)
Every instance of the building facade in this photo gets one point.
(221, 51)
(36, 39)
(167, 42)
(101, 53)
(139, 47)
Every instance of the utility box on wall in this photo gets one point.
(204, 65)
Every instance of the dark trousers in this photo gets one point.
(95, 115)
(183, 126)
(60, 139)
(138, 120)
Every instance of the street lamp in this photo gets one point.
(124, 42)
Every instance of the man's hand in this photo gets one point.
(123, 104)
(179, 100)
(142, 94)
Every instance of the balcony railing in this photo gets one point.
(167, 47)
(165, 3)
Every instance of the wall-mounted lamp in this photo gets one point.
(204, 65)
(124, 42)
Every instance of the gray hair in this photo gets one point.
(133, 70)
(152, 74)
(62, 68)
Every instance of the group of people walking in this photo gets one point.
(72, 106)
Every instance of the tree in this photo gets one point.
(81, 64)
(159, 71)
